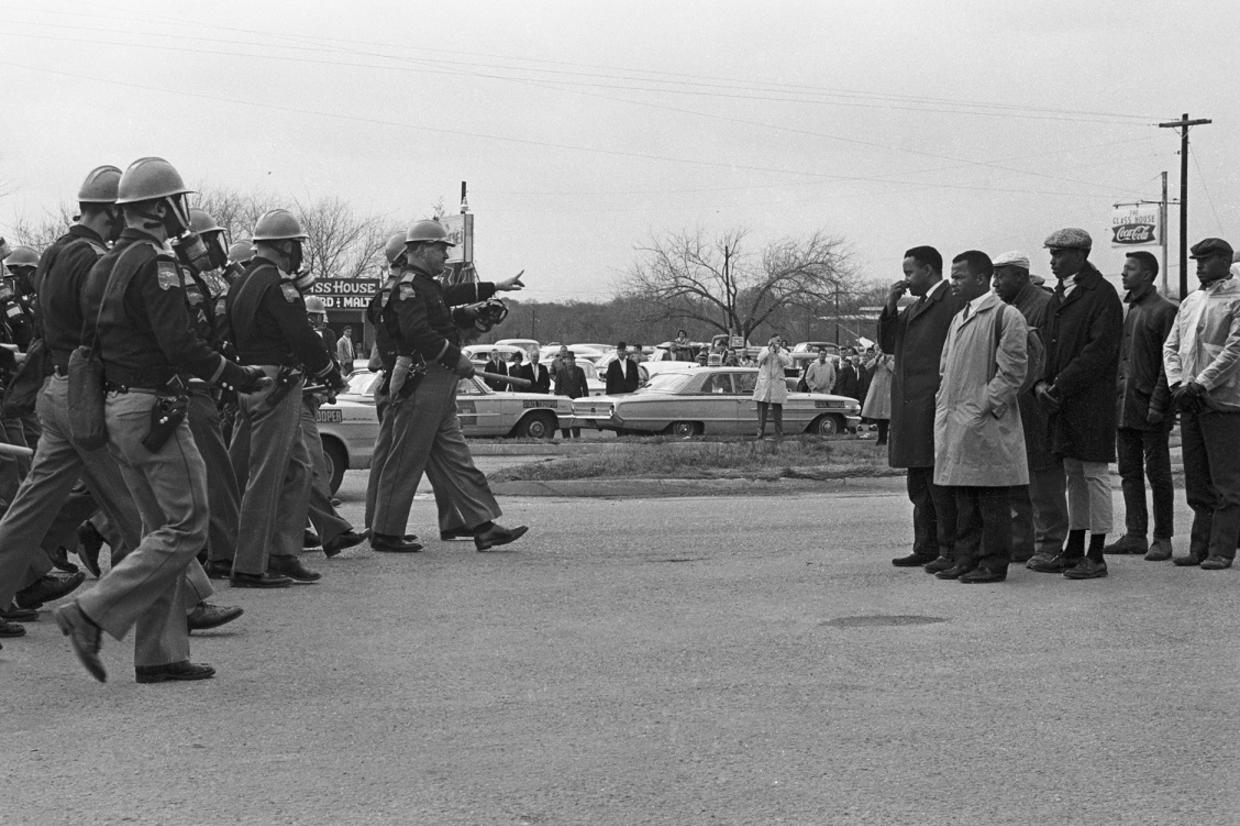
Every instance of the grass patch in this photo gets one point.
(802, 457)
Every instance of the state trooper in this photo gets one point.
(135, 311)
(420, 430)
(270, 330)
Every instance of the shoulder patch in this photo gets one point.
(291, 293)
(406, 291)
(169, 276)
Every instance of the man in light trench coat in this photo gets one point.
(979, 442)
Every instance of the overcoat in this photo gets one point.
(878, 397)
(915, 337)
(978, 437)
(1034, 303)
(771, 386)
(1082, 359)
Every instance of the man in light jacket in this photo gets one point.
(979, 442)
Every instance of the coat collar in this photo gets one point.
(939, 289)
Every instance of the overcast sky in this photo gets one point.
(585, 127)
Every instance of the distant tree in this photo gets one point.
(342, 244)
(41, 231)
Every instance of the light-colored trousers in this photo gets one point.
(1089, 496)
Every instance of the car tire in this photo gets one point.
(827, 425)
(685, 429)
(536, 426)
(337, 462)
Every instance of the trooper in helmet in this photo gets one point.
(267, 316)
(423, 359)
(135, 310)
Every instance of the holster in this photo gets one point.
(171, 405)
(285, 378)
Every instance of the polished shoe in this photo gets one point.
(954, 572)
(455, 534)
(393, 544)
(942, 563)
(1127, 545)
(1187, 561)
(15, 614)
(48, 588)
(89, 544)
(1215, 563)
(11, 629)
(291, 567)
(1087, 569)
(912, 561)
(1160, 550)
(84, 636)
(182, 671)
(218, 568)
(60, 560)
(984, 574)
(498, 535)
(310, 539)
(263, 580)
(205, 615)
(345, 540)
(1049, 564)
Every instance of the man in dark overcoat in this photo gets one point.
(1078, 390)
(915, 336)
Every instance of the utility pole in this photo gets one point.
(1162, 222)
(1183, 125)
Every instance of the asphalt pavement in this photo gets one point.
(704, 660)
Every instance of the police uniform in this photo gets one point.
(384, 343)
(421, 431)
(326, 520)
(270, 330)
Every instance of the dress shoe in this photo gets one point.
(345, 540)
(310, 539)
(218, 568)
(455, 534)
(498, 535)
(940, 564)
(1160, 550)
(48, 588)
(89, 544)
(1087, 569)
(1187, 561)
(60, 560)
(912, 561)
(1215, 563)
(954, 572)
(205, 615)
(11, 629)
(984, 574)
(1127, 545)
(15, 614)
(291, 567)
(263, 580)
(1049, 564)
(84, 636)
(182, 671)
(393, 544)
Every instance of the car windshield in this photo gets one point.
(666, 383)
(362, 382)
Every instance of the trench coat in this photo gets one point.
(771, 386)
(979, 440)
(878, 397)
(1082, 361)
(914, 336)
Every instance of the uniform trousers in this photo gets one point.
(1089, 495)
(222, 492)
(277, 477)
(934, 515)
(983, 527)
(146, 589)
(383, 446)
(1146, 453)
(1040, 512)
(327, 522)
(1211, 480)
(425, 436)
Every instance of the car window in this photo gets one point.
(718, 384)
(666, 383)
(468, 387)
(588, 368)
(363, 382)
(746, 382)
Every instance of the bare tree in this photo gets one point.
(687, 277)
(40, 232)
(342, 244)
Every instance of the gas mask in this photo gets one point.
(192, 252)
(23, 279)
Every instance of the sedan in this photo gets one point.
(711, 401)
(348, 427)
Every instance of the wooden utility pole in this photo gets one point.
(1183, 125)
(1162, 223)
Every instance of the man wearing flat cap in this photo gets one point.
(1202, 360)
(1039, 509)
(1078, 392)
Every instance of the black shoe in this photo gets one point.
(263, 580)
(1187, 561)
(218, 568)
(942, 563)
(291, 567)
(89, 543)
(498, 535)
(1127, 545)
(1087, 569)
(345, 540)
(393, 544)
(11, 629)
(310, 539)
(15, 614)
(60, 560)
(1056, 564)
(912, 561)
(1215, 563)
(48, 588)
(954, 572)
(205, 615)
(182, 671)
(455, 534)
(984, 574)
(84, 636)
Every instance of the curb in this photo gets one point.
(641, 488)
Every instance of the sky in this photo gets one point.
(584, 130)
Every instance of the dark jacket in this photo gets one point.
(420, 317)
(61, 279)
(915, 336)
(570, 381)
(540, 385)
(1082, 360)
(622, 376)
(499, 368)
(1141, 384)
(848, 382)
(267, 316)
(1034, 304)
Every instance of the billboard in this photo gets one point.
(1136, 225)
(460, 230)
(345, 293)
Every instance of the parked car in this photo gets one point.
(711, 401)
(348, 426)
(529, 345)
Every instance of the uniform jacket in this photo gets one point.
(420, 320)
(978, 437)
(1204, 343)
(771, 386)
(1082, 360)
(1141, 384)
(914, 336)
(622, 376)
(1034, 304)
(60, 280)
(878, 397)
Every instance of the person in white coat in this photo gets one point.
(979, 441)
(771, 390)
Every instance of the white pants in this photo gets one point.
(1089, 496)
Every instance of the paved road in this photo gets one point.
(659, 661)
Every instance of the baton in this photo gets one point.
(513, 380)
(15, 450)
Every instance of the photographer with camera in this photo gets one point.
(771, 390)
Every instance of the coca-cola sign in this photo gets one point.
(1134, 225)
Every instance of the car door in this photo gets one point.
(719, 403)
(477, 407)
